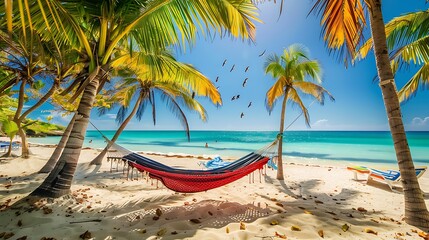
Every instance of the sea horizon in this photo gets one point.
(229, 130)
(300, 146)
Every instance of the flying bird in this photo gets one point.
(245, 81)
(233, 98)
(223, 64)
(193, 95)
(217, 78)
(232, 68)
(242, 115)
(217, 88)
(238, 96)
(262, 53)
(247, 68)
(250, 104)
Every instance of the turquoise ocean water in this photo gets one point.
(349, 147)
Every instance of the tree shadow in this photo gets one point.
(180, 222)
(326, 209)
(20, 184)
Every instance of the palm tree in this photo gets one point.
(29, 60)
(63, 106)
(100, 28)
(7, 102)
(145, 91)
(175, 89)
(292, 71)
(50, 164)
(408, 41)
(343, 23)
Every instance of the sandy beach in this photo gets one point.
(314, 202)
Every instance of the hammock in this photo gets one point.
(189, 181)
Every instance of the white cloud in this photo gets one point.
(111, 115)
(320, 123)
(420, 122)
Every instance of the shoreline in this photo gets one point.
(108, 206)
(287, 159)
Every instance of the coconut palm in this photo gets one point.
(175, 88)
(408, 41)
(33, 65)
(294, 73)
(24, 67)
(343, 23)
(50, 164)
(63, 106)
(99, 28)
(174, 95)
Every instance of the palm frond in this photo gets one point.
(273, 66)
(162, 66)
(175, 108)
(152, 103)
(183, 97)
(409, 90)
(297, 51)
(142, 106)
(308, 68)
(317, 91)
(276, 91)
(416, 52)
(294, 97)
(122, 113)
(401, 31)
(342, 25)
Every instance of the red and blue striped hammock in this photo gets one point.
(189, 181)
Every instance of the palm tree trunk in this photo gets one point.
(59, 181)
(24, 144)
(9, 149)
(416, 213)
(280, 175)
(25, 149)
(99, 159)
(59, 149)
(24, 141)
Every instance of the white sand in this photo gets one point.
(312, 198)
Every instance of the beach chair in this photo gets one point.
(5, 145)
(358, 169)
(391, 177)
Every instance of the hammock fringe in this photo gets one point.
(187, 180)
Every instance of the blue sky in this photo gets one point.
(358, 104)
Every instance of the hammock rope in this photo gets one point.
(190, 180)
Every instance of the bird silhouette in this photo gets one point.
(245, 81)
(232, 68)
(217, 78)
(250, 104)
(247, 68)
(193, 95)
(217, 88)
(238, 96)
(260, 55)
(233, 98)
(242, 115)
(223, 64)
